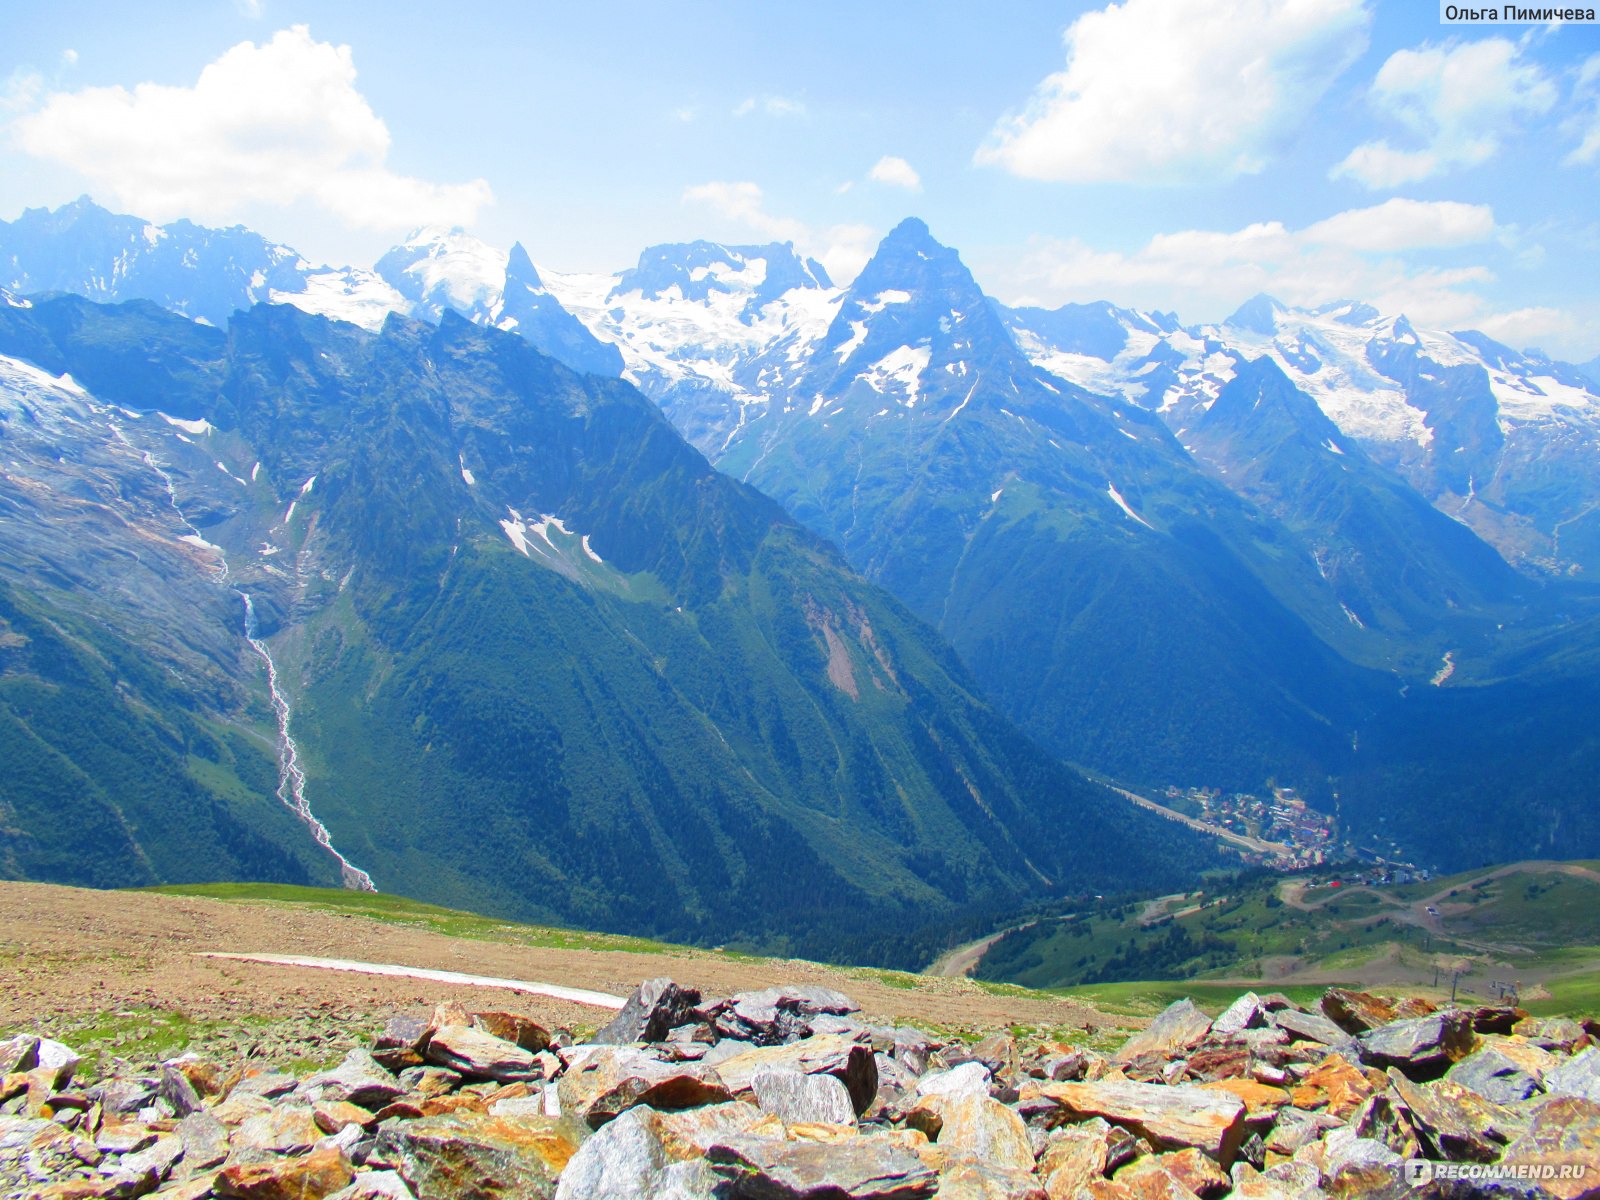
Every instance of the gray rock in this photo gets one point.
(205, 1141)
(622, 1161)
(1422, 1047)
(794, 1098)
(1244, 1013)
(656, 1007)
(480, 1055)
(1309, 1027)
(858, 1169)
(1579, 1076)
(177, 1091)
(399, 1044)
(268, 1087)
(122, 1096)
(615, 1078)
(59, 1058)
(155, 1159)
(778, 1014)
(358, 1080)
(1178, 1027)
(851, 1062)
(1494, 1076)
(20, 1053)
(969, 1078)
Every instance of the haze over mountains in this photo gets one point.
(1321, 548)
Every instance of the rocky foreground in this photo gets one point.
(789, 1093)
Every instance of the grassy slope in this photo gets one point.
(1535, 924)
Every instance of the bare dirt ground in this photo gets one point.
(69, 957)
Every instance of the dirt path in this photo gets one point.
(963, 960)
(67, 953)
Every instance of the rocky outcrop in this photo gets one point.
(791, 1093)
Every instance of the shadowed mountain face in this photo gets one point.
(541, 658)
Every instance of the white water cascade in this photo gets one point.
(291, 778)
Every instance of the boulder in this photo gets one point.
(1171, 1118)
(1461, 1125)
(688, 1133)
(1178, 1027)
(1504, 1069)
(859, 1169)
(205, 1141)
(58, 1060)
(18, 1054)
(308, 1177)
(1333, 1084)
(777, 1014)
(514, 1028)
(1309, 1027)
(1358, 1012)
(357, 1080)
(967, 1179)
(613, 1079)
(849, 1061)
(1244, 1013)
(794, 1098)
(285, 1129)
(476, 1157)
(1074, 1155)
(1564, 1132)
(480, 1055)
(399, 1044)
(623, 1161)
(1421, 1047)
(656, 1007)
(983, 1130)
(375, 1185)
(1579, 1076)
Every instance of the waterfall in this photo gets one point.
(291, 778)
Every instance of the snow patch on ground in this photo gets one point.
(1117, 499)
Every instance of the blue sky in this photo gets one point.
(1174, 154)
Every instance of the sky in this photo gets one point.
(1179, 155)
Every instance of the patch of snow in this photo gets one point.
(589, 550)
(198, 428)
(902, 369)
(995, 495)
(308, 485)
(359, 297)
(1116, 497)
(858, 334)
(255, 471)
(883, 299)
(1333, 446)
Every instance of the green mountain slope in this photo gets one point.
(544, 661)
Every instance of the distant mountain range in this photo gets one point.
(1321, 548)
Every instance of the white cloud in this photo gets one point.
(1459, 101)
(1401, 224)
(277, 124)
(842, 249)
(896, 172)
(1545, 327)
(772, 106)
(1359, 254)
(69, 57)
(1585, 125)
(1175, 91)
